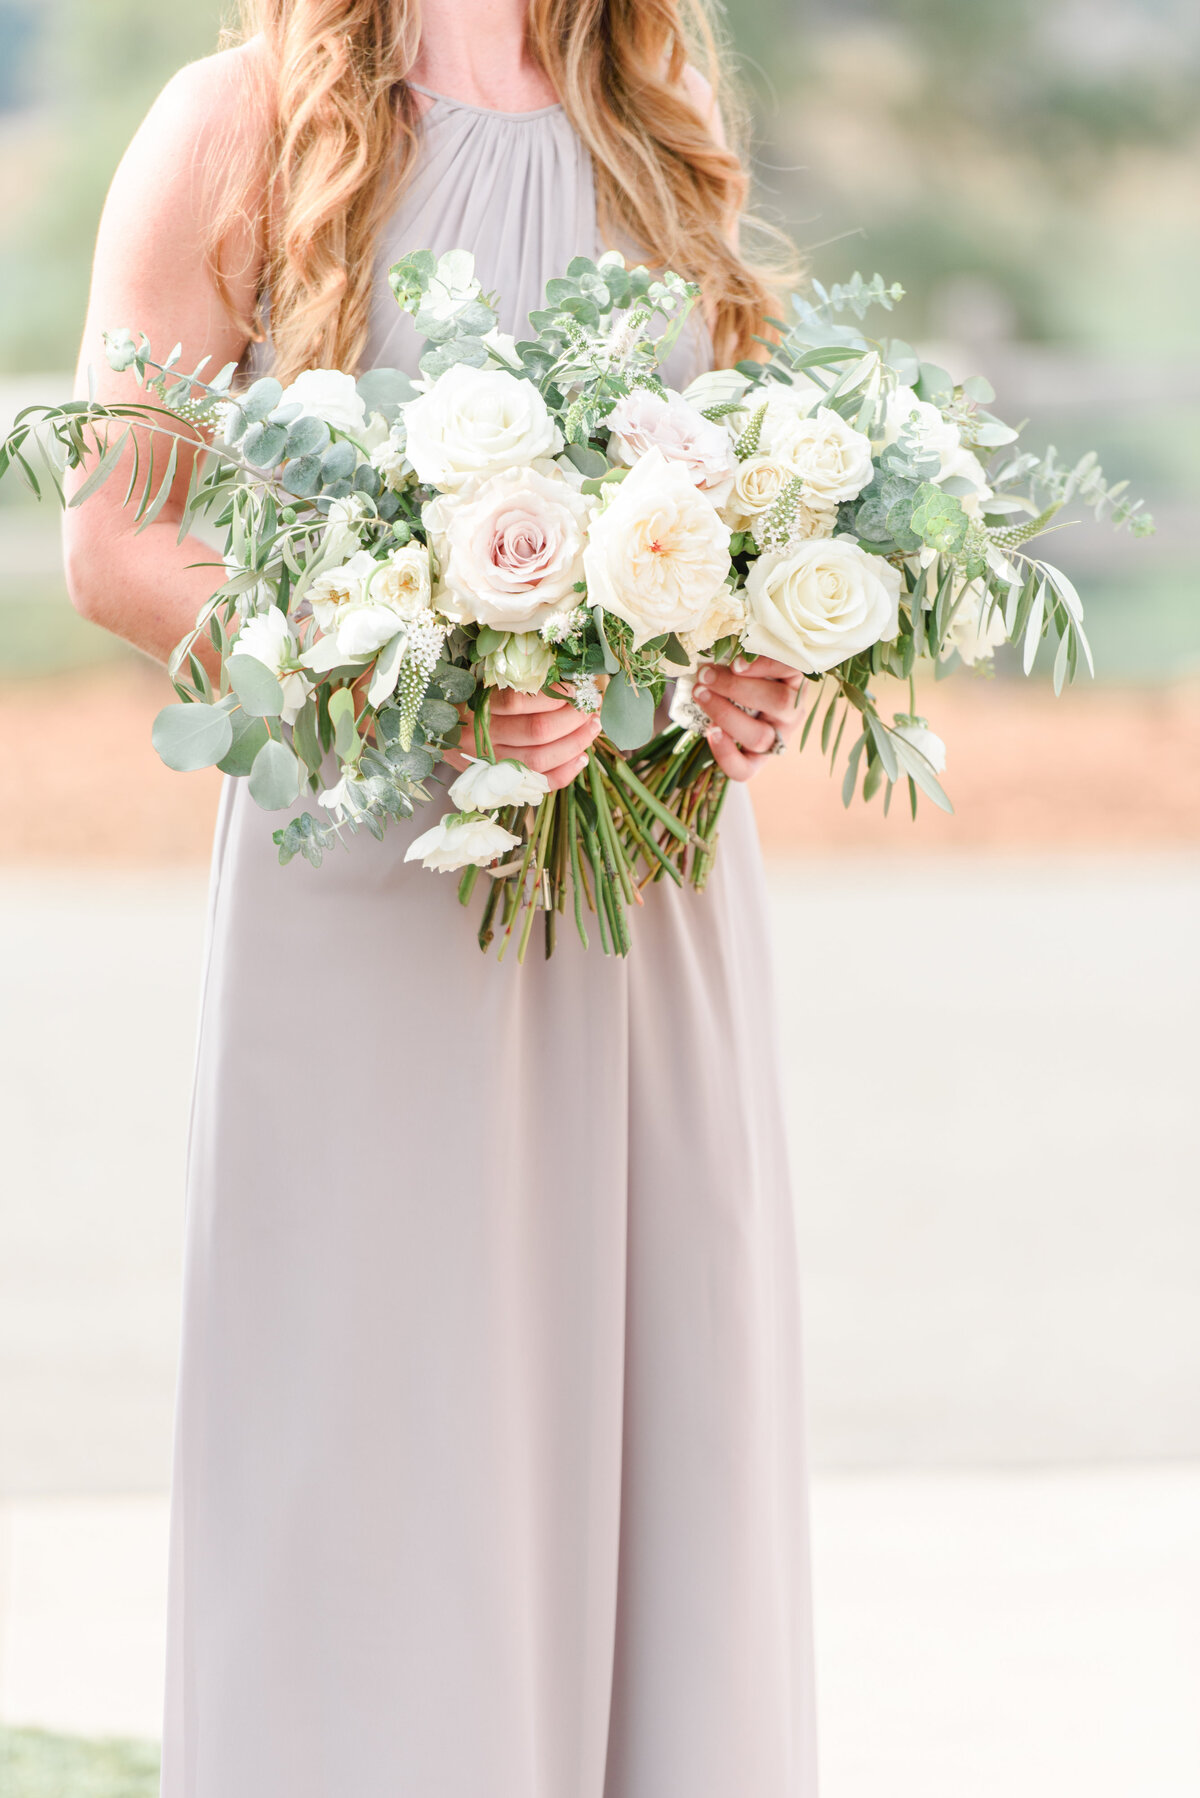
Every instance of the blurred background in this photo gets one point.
(989, 1019)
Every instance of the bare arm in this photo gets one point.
(150, 274)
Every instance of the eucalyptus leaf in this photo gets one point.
(339, 462)
(249, 735)
(611, 663)
(261, 398)
(265, 445)
(627, 713)
(188, 737)
(385, 390)
(307, 437)
(588, 461)
(342, 716)
(303, 477)
(275, 777)
(256, 687)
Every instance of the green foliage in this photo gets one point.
(36, 1764)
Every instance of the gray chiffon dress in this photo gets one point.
(489, 1475)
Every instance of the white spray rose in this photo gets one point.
(502, 344)
(964, 465)
(725, 617)
(332, 593)
(510, 547)
(389, 459)
(328, 394)
(487, 786)
(757, 486)
(456, 843)
(361, 605)
(926, 742)
(268, 638)
(477, 421)
(830, 456)
(814, 606)
(523, 662)
(971, 631)
(643, 420)
(658, 554)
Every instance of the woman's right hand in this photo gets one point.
(546, 733)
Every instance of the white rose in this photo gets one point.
(935, 434)
(502, 344)
(643, 420)
(830, 456)
(757, 486)
(971, 631)
(456, 843)
(658, 554)
(926, 742)
(814, 606)
(268, 638)
(477, 421)
(328, 394)
(510, 548)
(787, 405)
(487, 786)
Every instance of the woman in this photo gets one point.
(489, 1470)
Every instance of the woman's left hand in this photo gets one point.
(753, 706)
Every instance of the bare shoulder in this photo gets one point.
(218, 103)
(700, 92)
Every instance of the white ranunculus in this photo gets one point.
(523, 662)
(643, 420)
(389, 459)
(502, 344)
(971, 631)
(328, 394)
(926, 742)
(510, 547)
(935, 434)
(477, 421)
(964, 465)
(487, 786)
(332, 593)
(757, 486)
(814, 606)
(658, 554)
(830, 456)
(268, 638)
(456, 843)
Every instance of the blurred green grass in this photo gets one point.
(35, 1764)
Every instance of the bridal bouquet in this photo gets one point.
(548, 516)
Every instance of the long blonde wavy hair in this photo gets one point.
(343, 136)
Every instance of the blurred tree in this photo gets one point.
(92, 69)
(16, 30)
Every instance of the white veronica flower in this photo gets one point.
(477, 421)
(328, 394)
(268, 638)
(487, 786)
(658, 554)
(456, 843)
(815, 605)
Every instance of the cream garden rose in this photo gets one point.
(475, 422)
(658, 555)
(510, 548)
(643, 420)
(814, 606)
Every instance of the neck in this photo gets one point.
(475, 50)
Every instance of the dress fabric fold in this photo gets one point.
(489, 1474)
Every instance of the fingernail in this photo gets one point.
(716, 734)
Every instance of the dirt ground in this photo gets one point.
(1100, 768)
